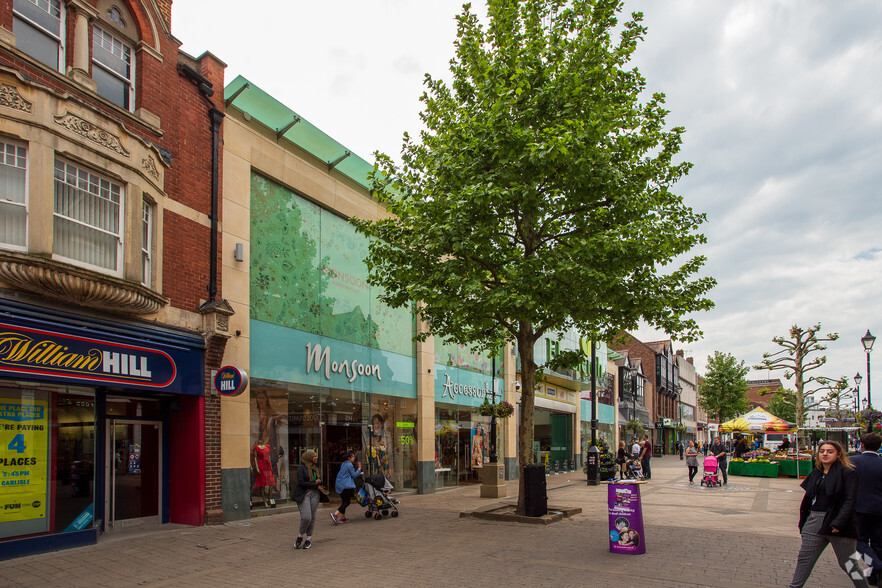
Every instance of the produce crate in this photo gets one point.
(795, 469)
(760, 470)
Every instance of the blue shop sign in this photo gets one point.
(32, 352)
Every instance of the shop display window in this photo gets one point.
(287, 420)
(47, 448)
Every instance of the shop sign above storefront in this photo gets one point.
(230, 381)
(35, 353)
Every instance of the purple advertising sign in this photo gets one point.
(626, 519)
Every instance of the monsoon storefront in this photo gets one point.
(332, 367)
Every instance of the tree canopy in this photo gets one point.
(538, 195)
(723, 390)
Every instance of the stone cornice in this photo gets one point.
(75, 285)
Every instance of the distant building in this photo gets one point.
(755, 396)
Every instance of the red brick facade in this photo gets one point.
(170, 120)
(755, 387)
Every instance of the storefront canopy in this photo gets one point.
(758, 420)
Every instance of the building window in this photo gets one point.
(88, 218)
(146, 244)
(38, 27)
(112, 68)
(13, 192)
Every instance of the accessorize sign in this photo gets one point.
(24, 440)
(626, 519)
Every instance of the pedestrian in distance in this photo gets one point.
(307, 495)
(869, 502)
(719, 451)
(681, 447)
(635, 449)
(345, 486)
(827, 515)
(622, 459)
(692, 461)
(645, 456)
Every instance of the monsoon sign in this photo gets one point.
(24, 441)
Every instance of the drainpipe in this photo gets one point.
(216, 117)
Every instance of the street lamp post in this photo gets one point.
(867, 341)
(493, 454)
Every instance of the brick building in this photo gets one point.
(755, 389)
(111, 307)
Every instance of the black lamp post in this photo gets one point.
(867, 341)
(493, 454)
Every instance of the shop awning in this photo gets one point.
(758, 420)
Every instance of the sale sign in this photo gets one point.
(24, 442)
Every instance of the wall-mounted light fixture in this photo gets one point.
(239, 253)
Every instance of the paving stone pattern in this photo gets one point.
(743, 534)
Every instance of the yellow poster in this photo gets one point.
(24, 441)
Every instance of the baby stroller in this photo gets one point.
(634, 469)
(711, 472)
(374, 492)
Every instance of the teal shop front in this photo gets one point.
(332, 367)
(462, 435)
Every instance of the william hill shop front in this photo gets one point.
(96, 418)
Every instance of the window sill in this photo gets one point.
(76, 285)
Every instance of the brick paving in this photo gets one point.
(741, 535)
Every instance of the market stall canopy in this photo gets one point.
(758, 420)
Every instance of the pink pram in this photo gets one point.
(711, 472)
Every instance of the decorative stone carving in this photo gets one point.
(91, 132)
(76, 285)
(10, 98)
(150, 166)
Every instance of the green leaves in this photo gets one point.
(723, 391)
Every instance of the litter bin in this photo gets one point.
(536, 498)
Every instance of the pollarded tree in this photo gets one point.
(538, 197)
(723, 390)
(795, 358)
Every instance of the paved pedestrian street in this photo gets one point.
(743, 534)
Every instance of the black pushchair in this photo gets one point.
(374, 492)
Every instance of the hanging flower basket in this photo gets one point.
(501, 409)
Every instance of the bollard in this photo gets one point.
(593, 466)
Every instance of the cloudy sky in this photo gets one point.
(781, 100)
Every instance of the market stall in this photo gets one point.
(764, 463)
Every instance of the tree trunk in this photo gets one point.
(528, 380)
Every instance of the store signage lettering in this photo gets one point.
(230, 380)
(37, 352)
(318, 358)
(24, 441)
(451, 390)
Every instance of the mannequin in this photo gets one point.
(263, 469)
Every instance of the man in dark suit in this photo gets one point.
(869, 501)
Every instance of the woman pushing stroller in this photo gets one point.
(345, 486)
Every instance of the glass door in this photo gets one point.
(134, 481)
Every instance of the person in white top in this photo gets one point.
(635, 448)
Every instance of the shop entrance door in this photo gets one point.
(133, 482)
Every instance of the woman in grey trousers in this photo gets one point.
(307, 495)
(827, 515)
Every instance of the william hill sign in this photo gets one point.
(44, 354)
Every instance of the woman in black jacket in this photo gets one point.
(827, 515)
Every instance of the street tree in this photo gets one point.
(798, 358)
(781, 406)
(538, 196)
(723, 390)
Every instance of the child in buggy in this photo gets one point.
(711, 476)
(374, 492)
(634, 469)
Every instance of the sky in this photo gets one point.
(782, 105)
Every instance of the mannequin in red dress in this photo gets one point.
(263, 469)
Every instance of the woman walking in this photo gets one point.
(827, 514)
(692, 461)
(307, 495)
(345, 487)
(622, 459)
